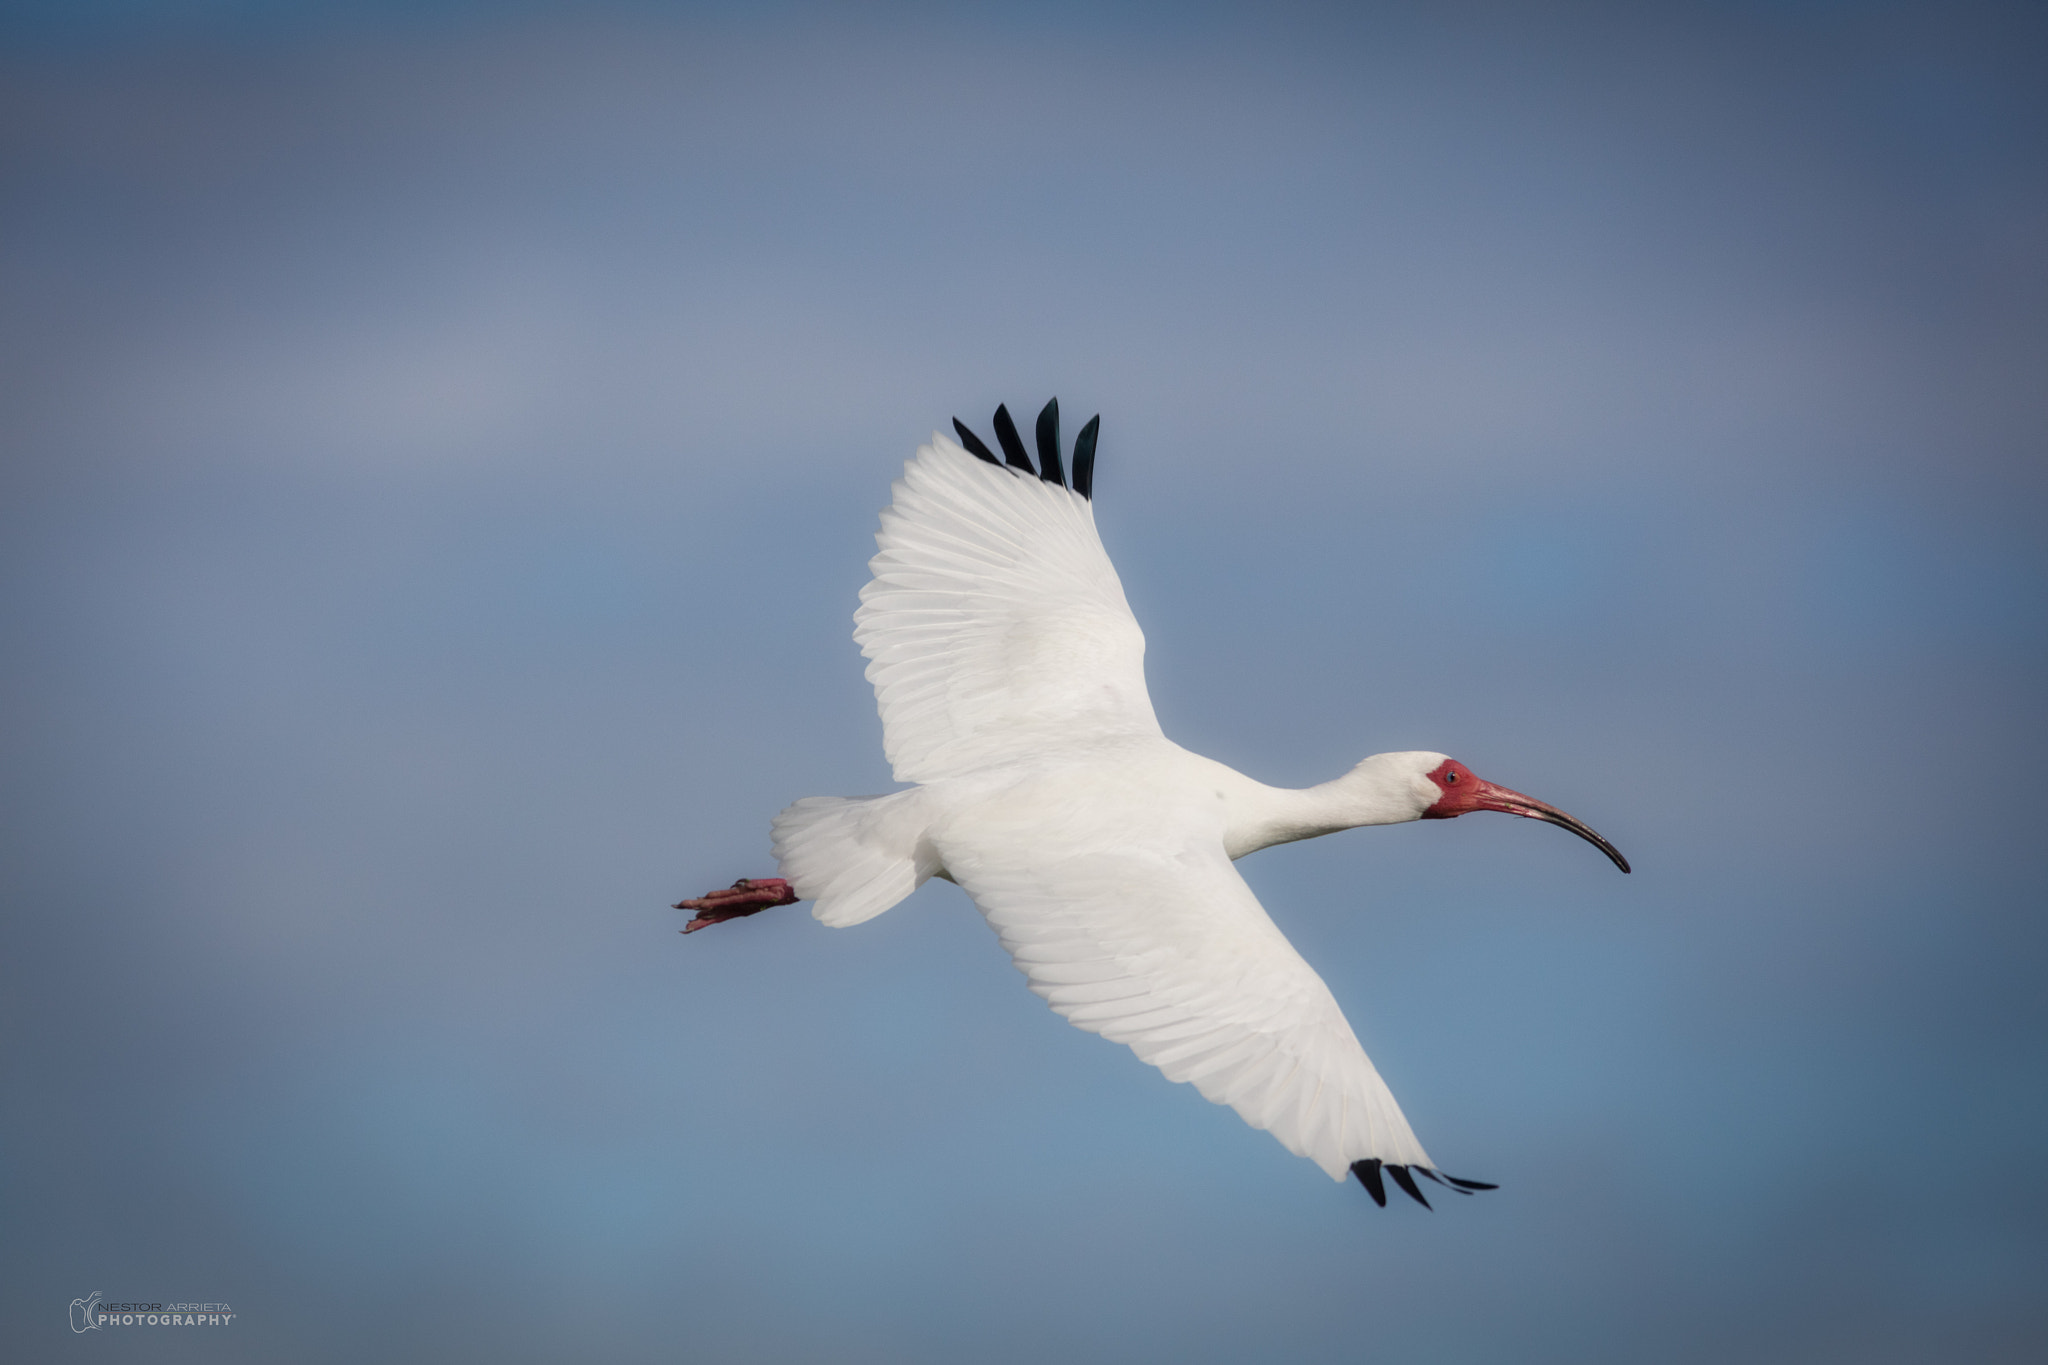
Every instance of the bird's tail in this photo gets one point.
(855, 856)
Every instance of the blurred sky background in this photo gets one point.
(441, 448)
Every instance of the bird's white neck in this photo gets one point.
(1386, 789)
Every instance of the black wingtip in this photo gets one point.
(1012, 443)
(1084, 459)
(1049, 445)
(973, 443)
(1469, 1184)
(1407, 1184)
(1428, 1174)
(1368, 1173)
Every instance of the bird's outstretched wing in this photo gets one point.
(994, 620)
(1155, 941)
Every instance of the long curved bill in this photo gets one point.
(1492, 797)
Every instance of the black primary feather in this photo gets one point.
(1428, 1174)
(973, 443)
(1470, 1184)
(1407, 1184)
(1049, 467)
(1368, 1173)
(1013, 444)
(1084, 463)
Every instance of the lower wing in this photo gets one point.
(1158, 944)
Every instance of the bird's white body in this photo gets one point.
(1010, 676)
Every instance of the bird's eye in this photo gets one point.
(1450, 777)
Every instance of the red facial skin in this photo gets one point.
(1461, 790)
(1465, 792)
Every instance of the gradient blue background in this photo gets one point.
(441, 445)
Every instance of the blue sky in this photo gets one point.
(442, 446)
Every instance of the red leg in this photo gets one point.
(744, 897)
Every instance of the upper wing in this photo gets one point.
(994, 616)
(1155, 941)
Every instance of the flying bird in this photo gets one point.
(1010, 676)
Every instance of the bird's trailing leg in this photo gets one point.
(747, 896)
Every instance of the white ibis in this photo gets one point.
(1010, 676)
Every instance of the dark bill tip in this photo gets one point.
(1585, 832)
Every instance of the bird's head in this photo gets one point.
(1454, 789)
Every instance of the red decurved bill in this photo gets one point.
(1464, 792)
(1492, 797)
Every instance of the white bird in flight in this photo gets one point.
(1011, 680)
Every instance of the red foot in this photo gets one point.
(743, 897)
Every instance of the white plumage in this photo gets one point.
(995, 623)
(1010, 677)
